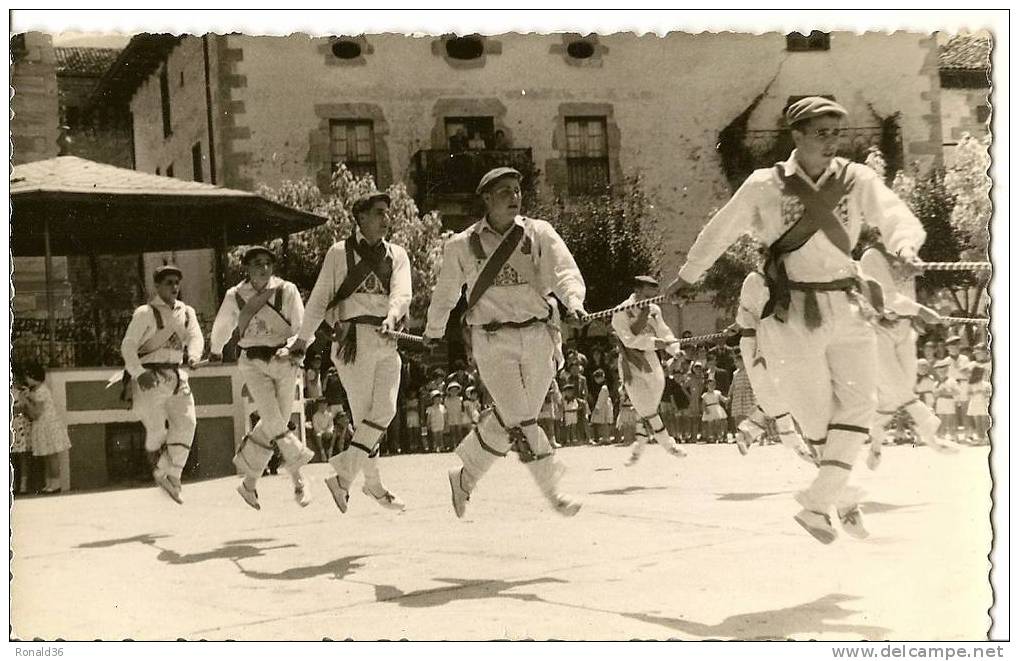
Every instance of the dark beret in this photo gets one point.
(365, 202)
(494, 175)
(165, 270)
(811, 107)
(255, 251)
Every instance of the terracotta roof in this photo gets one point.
(84, 61)
(70, 174)
(966, 52)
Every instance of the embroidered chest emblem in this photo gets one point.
(371, 285)
(508, 277)
(792, 210)
(258, 326)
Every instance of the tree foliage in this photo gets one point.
(304, 252)
(612, 237)
(967, 181)
(725, 277)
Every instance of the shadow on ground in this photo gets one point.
(802, 620)
(625, 491)
(459, 590)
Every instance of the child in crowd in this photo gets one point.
(945, 393)
(549, 413)
(21, 432)
(626, 421)
(693, 387)
(456, 424)
(412, 420)
(571, 409)
(925, 382)
(436, 415)
(472, 407)
(48, 437)
(978, 418)
(323, 428)
(713, 415)
(602, 414)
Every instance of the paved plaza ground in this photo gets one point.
(697, 548)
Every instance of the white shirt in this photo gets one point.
(753, 296)
(263, 330)
(143, 326)
(655, 328)
(360, 303)
(760, 208)
(900, 293)
(519, 290)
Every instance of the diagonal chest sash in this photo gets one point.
(819, 215)
(256, 303)
(358, 271)
(165, 330)
(494, 264)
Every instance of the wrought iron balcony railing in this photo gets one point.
(441, 172)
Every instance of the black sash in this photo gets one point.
(495, 263)
(381, 264)
(818, 216)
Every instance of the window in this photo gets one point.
(196, 161)
(816, 40)
(352, 142)
(72, 117)
(158, 171)
(346, 49)
(461, 132)
(465, 48)
(587, 155)
(164, 98)
(169, 170)
(580, 49)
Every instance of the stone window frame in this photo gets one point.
(797, 42)
(319, 149)
(556, 172)
(562, 49)
(330, 60)
(489, 47)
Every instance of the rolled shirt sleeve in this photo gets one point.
(333, 271)
(226, 322)
(400, 291)
(447, 290)
(195, 341)
(141, 324)
(558, 267)
(900, 229)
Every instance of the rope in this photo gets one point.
(955, 266)
(697, 339)
(622, 308)
(400, 335)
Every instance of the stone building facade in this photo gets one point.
(586, 110)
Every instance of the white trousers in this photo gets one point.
(517, 367)
(830, 377)
(273, 388)
(897, 367)
(168, 417)
(645, 391)
(371, 382)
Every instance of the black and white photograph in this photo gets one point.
(509, 326)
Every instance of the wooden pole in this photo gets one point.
(50, 312)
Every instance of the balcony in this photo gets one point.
(441, 174)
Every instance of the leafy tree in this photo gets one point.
(613, 237)
(967, 181)
(303, 253)
(725, 277)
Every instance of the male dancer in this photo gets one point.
(509, 264)
(364, 287)
(809, 211)
(640, 333)
(896, 350)
(754, 337)
(267, 312)
(162, 337)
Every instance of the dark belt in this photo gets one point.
(748, 332)
(811, 310)
(345, 335)
(493, 326)
(262, 353)
(125, 383)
